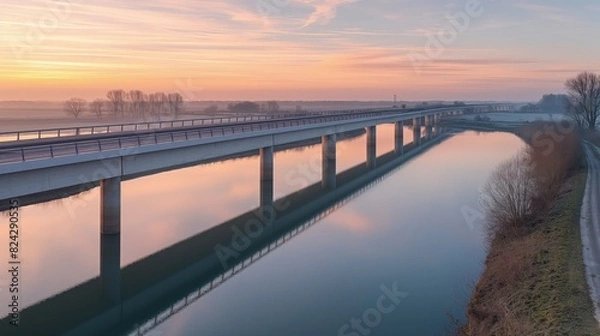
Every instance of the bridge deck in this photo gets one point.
(48, 148)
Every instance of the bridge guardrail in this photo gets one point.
(37, 134)
(39, 152)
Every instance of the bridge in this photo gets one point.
(39, 161)
(62, 162)
(136, 299)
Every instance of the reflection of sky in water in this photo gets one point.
(408, 229)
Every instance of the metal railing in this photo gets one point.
(62, 132)
(76, 147)
(49, 133)
(37, 152)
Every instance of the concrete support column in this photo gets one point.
(428, 127)
(110, 206)
(436, 125)
(371, 147)
(266, 176)
(110, 266)
(417, 131)
(329, 161)
(399, 137)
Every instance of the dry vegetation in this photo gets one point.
(534, 281)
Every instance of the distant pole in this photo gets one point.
(395, 101)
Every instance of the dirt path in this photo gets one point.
(590, 226)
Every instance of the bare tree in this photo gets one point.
(136, 103)
(175, 101)
(117, 101)
(97, 107)
(156, 104)
(145, 105)
(75, 106)
(578, 118)
(584, 98)
(152, 104)
(272, 106)
(508, 195)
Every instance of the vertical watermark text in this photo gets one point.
(14, 263)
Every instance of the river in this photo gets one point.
(396, 259)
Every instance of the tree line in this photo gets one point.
(134, 104)
(137, 104)
(550, 103)
(581, 101)
(268, 107)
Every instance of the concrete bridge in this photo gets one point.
(33, 166)
(138, 298)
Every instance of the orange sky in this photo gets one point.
(296, 49)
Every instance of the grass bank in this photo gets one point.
(534, 281)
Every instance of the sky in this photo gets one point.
(296, 49)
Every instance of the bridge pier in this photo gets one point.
(266, 177)
(428, 127)
(417, 131)
(110, 266)
(110, 206)
(371, 147)
(329, 161)
(399, 137)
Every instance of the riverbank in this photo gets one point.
(534, 278)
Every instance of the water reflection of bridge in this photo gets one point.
(137, 298)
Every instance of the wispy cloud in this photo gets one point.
(323, 10)
(348, 48)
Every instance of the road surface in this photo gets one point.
(590, 226)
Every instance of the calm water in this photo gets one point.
(408, 232)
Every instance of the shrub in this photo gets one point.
(525, 186)
(508, 196)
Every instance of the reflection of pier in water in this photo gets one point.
(144, 294)
(152, 323)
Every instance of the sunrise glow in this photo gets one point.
(300, 49)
